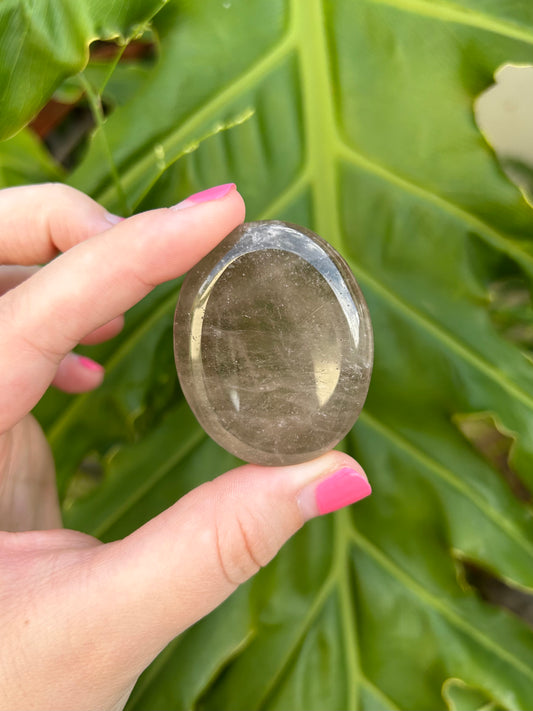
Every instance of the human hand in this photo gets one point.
(81, 620)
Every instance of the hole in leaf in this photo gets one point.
(490, 439)
(511, 309)
(65, 123)
(508, 292)
(136, 50)
(65, 129)
(504, 114)
(494, 590)
(463, 697)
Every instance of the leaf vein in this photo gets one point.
(190, 126)
(125, 347)
(464, 351)
(450, 12)
(185, 447)
(437, 604)
(314, 610)
(379, 693)
(493, 237)
(450, 477)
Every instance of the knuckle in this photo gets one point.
(60, 191)
(24, 334)
(241, 541)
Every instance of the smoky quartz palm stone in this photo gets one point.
(273, 344)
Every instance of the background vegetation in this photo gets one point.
(355, 118)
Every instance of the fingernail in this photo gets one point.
(337, 490)
(113, 219)
(90, 364)
(215, 193)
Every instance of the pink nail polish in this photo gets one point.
(90, 364)
(215, 193)
(340, 489)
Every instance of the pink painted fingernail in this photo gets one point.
(215, 193)
(340, 489)
(90, 364)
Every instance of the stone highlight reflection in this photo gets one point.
(273, 344)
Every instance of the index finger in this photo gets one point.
(39, 221)
(45, 317)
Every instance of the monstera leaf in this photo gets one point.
(355, 118)
(45, 42)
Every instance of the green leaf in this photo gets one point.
(362, 129)
(23, 160)
(461, 697)
(120, 81)
(42, 43)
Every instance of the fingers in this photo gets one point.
(185, 562)
(28, 493)
(110, 609)
(12, 276)
(78, 374)
(105, 332)
(38, 221)
(74, 374)
(42, 319)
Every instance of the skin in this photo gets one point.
(65, 598)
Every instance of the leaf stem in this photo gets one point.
(112, 68)
(320, 127)
(95, 103)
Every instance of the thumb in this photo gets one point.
(186, 561)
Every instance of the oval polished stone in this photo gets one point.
(273, 344)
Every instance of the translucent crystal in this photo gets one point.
(273, 344)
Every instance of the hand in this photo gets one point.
(67, 601)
